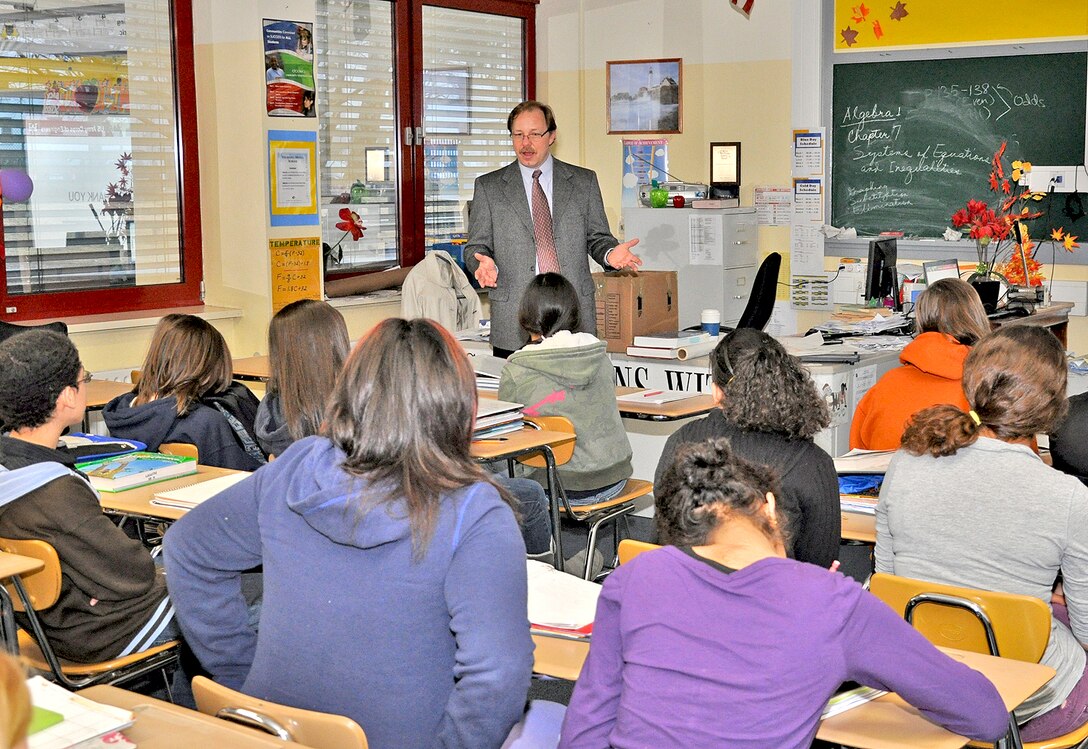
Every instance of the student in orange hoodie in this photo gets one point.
(950, 319)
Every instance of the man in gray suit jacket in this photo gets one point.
(502, 247)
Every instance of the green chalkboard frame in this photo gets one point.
(912, 139)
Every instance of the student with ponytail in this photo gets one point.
(967, 502)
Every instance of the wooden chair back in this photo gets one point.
(314, 729)
(562, 452)
(630, 548)
(948, 615)
(183, 449)
(43, 586)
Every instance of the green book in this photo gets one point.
(41, 719)
(131, 470)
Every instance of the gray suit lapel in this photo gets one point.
(515, 195)
(562, 189)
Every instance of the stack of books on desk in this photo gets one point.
(495, 417)
(488, 370)
(670, 345)
(135, 469)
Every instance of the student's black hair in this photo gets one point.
(707, 484)
(549, 304)
(35, 367)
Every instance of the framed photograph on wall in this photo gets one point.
(645, 96)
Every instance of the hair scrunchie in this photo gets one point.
(975, 418)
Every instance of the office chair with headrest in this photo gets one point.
(757, 313)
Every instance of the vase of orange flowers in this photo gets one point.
(1002, 238)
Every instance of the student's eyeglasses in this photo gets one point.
(87, 377)
(534, 137)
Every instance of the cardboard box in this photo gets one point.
(631, 304)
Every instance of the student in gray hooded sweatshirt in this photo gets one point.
(563, 373)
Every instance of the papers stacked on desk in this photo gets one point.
(560, 603)
(495, 417)
(865, 322)
(488, 370)
(189, 496)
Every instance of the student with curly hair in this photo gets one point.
(719, 640)
(950, 320)
(113, 598)
(186, 393)
(769, 409)
(967, 502)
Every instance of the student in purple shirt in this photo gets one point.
(720, 640)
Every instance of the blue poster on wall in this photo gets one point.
(644, 160)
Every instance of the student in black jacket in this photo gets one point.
(770, 410)
(186, 394)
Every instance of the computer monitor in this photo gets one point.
(881, 281)
(935, 270)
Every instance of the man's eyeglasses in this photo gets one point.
(534, 137)
(87, 377)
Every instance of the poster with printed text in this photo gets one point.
(289, 68)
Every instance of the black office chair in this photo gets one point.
(757, 313)
(7, 329)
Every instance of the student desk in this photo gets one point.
(558, 656)
(137, 502)
(888, 722)
(99, 393)
(858, 526)
(161, 725)
(529, 441)
(697, 405)
(252, 368)
(12, 565)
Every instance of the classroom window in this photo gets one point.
(91, 111)
(404, 134)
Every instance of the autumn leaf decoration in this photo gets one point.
(999, 233)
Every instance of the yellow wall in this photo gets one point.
(963, 22)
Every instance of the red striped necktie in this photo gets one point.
(547, 260)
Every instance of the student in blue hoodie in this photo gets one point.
(394, 572)
(113, 598)
(186, 393)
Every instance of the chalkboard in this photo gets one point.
(913, 140)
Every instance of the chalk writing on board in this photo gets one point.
(912, 139)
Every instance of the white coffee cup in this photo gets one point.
(711, 320)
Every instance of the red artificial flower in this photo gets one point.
(349, 222)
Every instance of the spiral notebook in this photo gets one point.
(188, 497)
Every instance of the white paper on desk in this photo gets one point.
(84, 719)
(658, 397)
(864, 461)
(559, 600)
(188, 497)
(797, 345)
